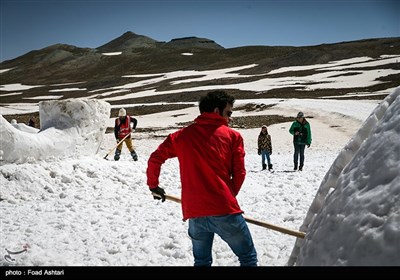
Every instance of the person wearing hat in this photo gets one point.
(301, 131)
(265, 147)
(123, 127)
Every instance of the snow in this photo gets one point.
(67, 89)
(112, 53)
(358, 224)
(12, 87)
(68, 128)
(70, 206)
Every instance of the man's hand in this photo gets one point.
(160, 193)
(308, 145)
(259, 151)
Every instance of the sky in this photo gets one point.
(31, 25)
(76, 208)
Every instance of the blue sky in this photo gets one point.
(27, 25)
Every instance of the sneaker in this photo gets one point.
(295, 168)
(300, 168)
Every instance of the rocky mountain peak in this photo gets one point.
(190, 42)
(127, 41)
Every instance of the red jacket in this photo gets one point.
(211, 160)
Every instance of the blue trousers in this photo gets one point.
(298, 152)
(265, 156)
(232, 229)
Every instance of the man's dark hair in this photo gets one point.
(215, 99)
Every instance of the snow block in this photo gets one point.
(358, 222)
(69, 128)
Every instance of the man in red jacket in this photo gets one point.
(211, 160)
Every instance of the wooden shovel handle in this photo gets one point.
(251, 220)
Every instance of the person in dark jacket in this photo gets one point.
(301, 131)
(31, 122)
(265, 147)
(122, 129)
(212, 170)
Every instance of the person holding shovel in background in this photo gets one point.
(122, 131)
(211, 159)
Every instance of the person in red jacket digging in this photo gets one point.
(212, 171)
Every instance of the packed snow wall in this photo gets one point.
(69, 128)
(355, 216)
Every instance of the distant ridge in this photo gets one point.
(190, 42)
(130, 41)
(127, 41)
(94, 69)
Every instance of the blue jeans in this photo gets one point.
(231, 228)
(298, 151)
(265, 155)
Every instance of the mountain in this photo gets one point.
(113, 64)
(128, 42)
(193, 42)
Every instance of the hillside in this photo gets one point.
(131, 58)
